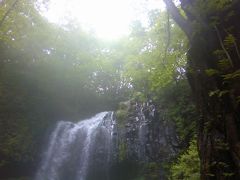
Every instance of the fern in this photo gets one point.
(224, 64)
(229, 41)
(212, 72)
(232, 76)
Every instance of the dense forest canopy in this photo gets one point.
(51, 72)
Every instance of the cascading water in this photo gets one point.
(105, 148)
(79, 151)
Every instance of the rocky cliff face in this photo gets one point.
(133, 145)
(142, 141)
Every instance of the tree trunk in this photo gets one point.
(214, 75)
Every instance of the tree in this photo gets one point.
(47, 73)
(187, 165)
(213, 72)
(8, 12)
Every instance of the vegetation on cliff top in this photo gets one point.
(48, 73)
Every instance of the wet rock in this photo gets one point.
(144, 135)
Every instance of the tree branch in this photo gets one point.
(178, 18)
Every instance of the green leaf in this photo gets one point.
(213, 93)
(212, 72)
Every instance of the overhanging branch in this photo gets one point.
(183, 23)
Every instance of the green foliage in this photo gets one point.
(152, 65)
(177, 104)
(187, 166)
(122, 151)
(212, 72)
(18, 143)
(224, 64)
(157, 71)
(121, 116)
(210, 8)
(47, 74)
(139, 97)
(232, 76)
(122, 113)
(229, 41)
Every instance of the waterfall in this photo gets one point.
(79, 151)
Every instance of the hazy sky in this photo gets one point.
(109, 19)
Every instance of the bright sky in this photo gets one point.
(109, 19)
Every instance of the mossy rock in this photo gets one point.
(122, 151)
(122, 113)
(124, 105)
(121, 116)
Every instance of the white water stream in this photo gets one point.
(77, 150)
